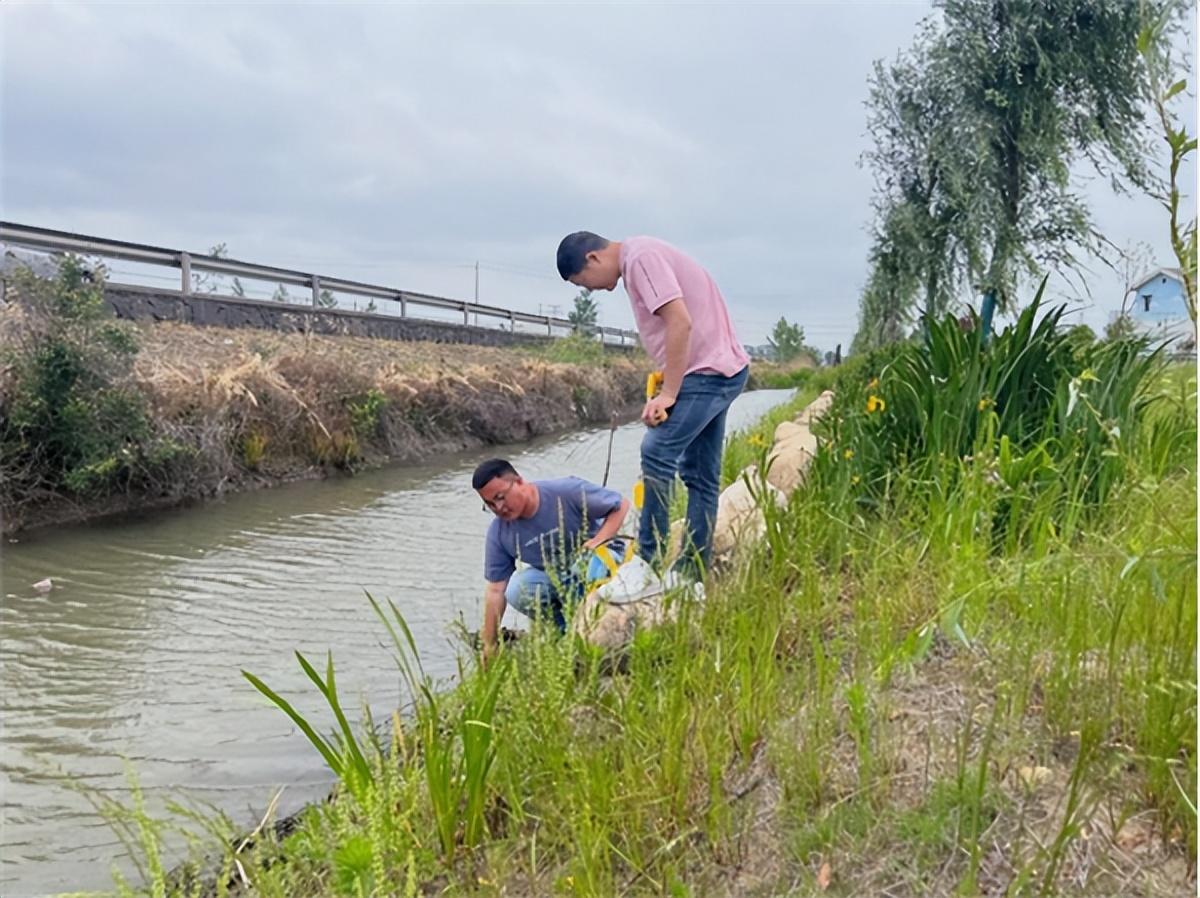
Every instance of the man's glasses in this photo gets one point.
(493, 504)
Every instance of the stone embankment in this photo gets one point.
(741, 521)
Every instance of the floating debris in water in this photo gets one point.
(44, 585)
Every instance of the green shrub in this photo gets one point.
(254, 449)
(765, 377)
(366, 412)
(1039, 412)
(576, 349)
(72, 418)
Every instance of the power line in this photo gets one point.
(518, 270)
(817, 329)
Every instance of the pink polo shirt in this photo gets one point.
(654, 273)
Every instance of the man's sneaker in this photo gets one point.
(634, 581)
(677, 580)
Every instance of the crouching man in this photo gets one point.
(545, 524)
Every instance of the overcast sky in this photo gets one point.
(401, 144)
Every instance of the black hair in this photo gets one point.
(490, 470)
(572, 252)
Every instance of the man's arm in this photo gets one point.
(493, 610)
(611, 526)
(679, 337)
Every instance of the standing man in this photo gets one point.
(544, 523)
(684, 325)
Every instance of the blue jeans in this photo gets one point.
(533, 593)
(689, 443)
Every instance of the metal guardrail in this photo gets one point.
(47, 240)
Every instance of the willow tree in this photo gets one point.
(1045, 84)
(925, 165)
(885, 307)
(979, 126)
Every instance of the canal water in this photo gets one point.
(137, 651)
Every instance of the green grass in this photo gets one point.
(750, 445)
(769, 376)
(573, 349)
(860, 690)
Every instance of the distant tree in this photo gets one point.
(885, 309)
(206, 281)
(326, 299)
(1121, 327)
(281, 294)
(583, 317)
(1080, 338)
(371, 307)
(787, 340)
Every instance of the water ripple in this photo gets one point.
(137, 652)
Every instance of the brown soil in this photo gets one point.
(1120, 849)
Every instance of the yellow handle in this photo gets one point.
(603, 553)
(653, 384)
(610, 561)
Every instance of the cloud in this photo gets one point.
(400, 144)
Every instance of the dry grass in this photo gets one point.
(197, 349)
(453, 389)
(261, 407)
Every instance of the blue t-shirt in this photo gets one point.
(570, 511)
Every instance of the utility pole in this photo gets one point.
(477, 291)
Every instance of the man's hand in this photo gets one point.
(674, 315)
(655, 411)
(610, 527)
(493, 611)
(488, 652)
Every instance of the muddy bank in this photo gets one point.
(247, 409)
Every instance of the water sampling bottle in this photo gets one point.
(606, 559)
